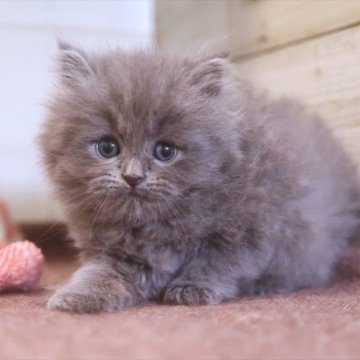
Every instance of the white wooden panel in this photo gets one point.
(27, 50)
(119, 16)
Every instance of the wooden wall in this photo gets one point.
(308, 49)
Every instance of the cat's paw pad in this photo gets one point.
(189, 295)
(76, 302)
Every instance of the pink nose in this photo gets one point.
(133, 181)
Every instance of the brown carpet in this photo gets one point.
(310, 324)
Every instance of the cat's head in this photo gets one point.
(137, 134)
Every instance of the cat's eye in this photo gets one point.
(108, 148)
(164, 151)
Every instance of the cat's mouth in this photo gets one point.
(136, 193)
(133, 191)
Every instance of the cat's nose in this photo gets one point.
(133, 180)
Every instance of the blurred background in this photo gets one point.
(309, 49)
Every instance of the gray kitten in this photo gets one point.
(184, 186)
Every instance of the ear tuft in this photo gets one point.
(73, 65)
(208, 76)
(64, 45)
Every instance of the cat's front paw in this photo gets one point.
(82, 302)
(74, 302)
(189, 294)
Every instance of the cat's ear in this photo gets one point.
(208, 75)
(73, 65)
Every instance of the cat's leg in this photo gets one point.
(216, 276)
(101, 284)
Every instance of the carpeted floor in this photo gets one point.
(310, 324)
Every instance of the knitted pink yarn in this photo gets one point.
(21, 266)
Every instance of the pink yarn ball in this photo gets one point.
(21, 266)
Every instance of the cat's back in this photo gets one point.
(293, 151)
(286, 129)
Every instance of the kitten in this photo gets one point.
(183, 185)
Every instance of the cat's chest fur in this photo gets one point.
(154, 244)
(162, 247)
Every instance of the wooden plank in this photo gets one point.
(248, 26)
(190, 23)
(323, 73)
(265, 24)
(350, 137)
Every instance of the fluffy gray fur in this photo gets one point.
(259, 198)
